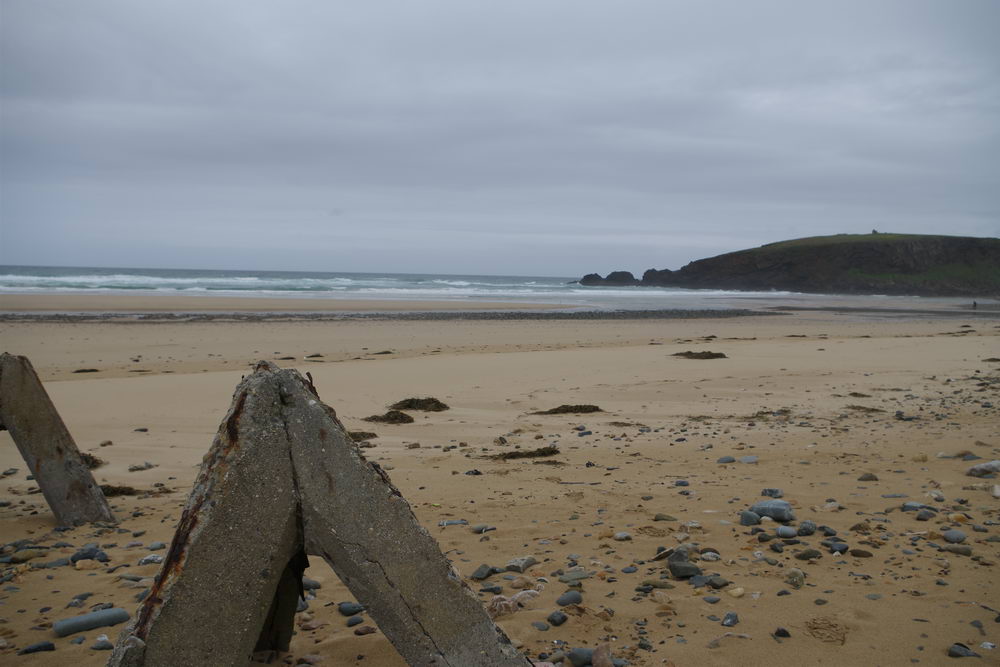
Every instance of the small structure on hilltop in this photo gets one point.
(281, 481)
(47, 446)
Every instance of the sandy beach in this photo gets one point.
(816, 400)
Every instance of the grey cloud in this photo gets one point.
(536, 138)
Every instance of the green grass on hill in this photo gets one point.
(842, 239)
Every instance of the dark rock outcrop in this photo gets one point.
(614, 279)
(911, 264)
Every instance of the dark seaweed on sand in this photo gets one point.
(570, 410)
(525, 453)
(700, 355)
(429, 404)
(112, 490)
(358, 436)
(391, 417)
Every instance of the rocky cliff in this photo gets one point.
(843, 264)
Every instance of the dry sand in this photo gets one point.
(782, 395)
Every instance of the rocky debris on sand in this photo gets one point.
(391, 417)
(361, 436)
(428, 404)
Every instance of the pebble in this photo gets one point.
(808, 554)
(779, 510)
(89, 552)
(482, 572)
(731, 619)
(748, 459)
(806, 528)
(151, 559)
(748, 518)
(557, 618)
(726, 459)
(868, 477)
(35, 648)
(102, 644)
(521, 564)
(925, 515)
(355, 620)
(786, 531)
(580, 657)
(957, 650)
(95, 619)
(540, 625)
(772, 493)
(350, 608)
(953, 536)
(781, 632)
(795, 578)
(568, 598)
(622, 536)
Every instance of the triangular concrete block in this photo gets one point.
(47, 446)
(283, 479)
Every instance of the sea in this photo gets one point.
(545, 290)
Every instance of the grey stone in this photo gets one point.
(726, 459)
(47, 447)
(779, 510)
(957, 650)
(521, 564)
(772, 493)
(481, 572)
(102, 644)
(786, 531)
(37, 647)
(568, 598)
(748, 518)
(926, 515)
(282, 480)
(748, 459)
(580, 657)
(622, 536)
(806, 528)
(557, 618)
(984, 469)
(731, 619)
(953, 536)
(808, 554)
(84, 622)
(868, 477)
(680, 567)
(350, 608)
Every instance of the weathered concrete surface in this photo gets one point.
(236, 534)
(47, 446)
(362, 526)
(282, 474)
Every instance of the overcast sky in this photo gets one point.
(535, 137)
